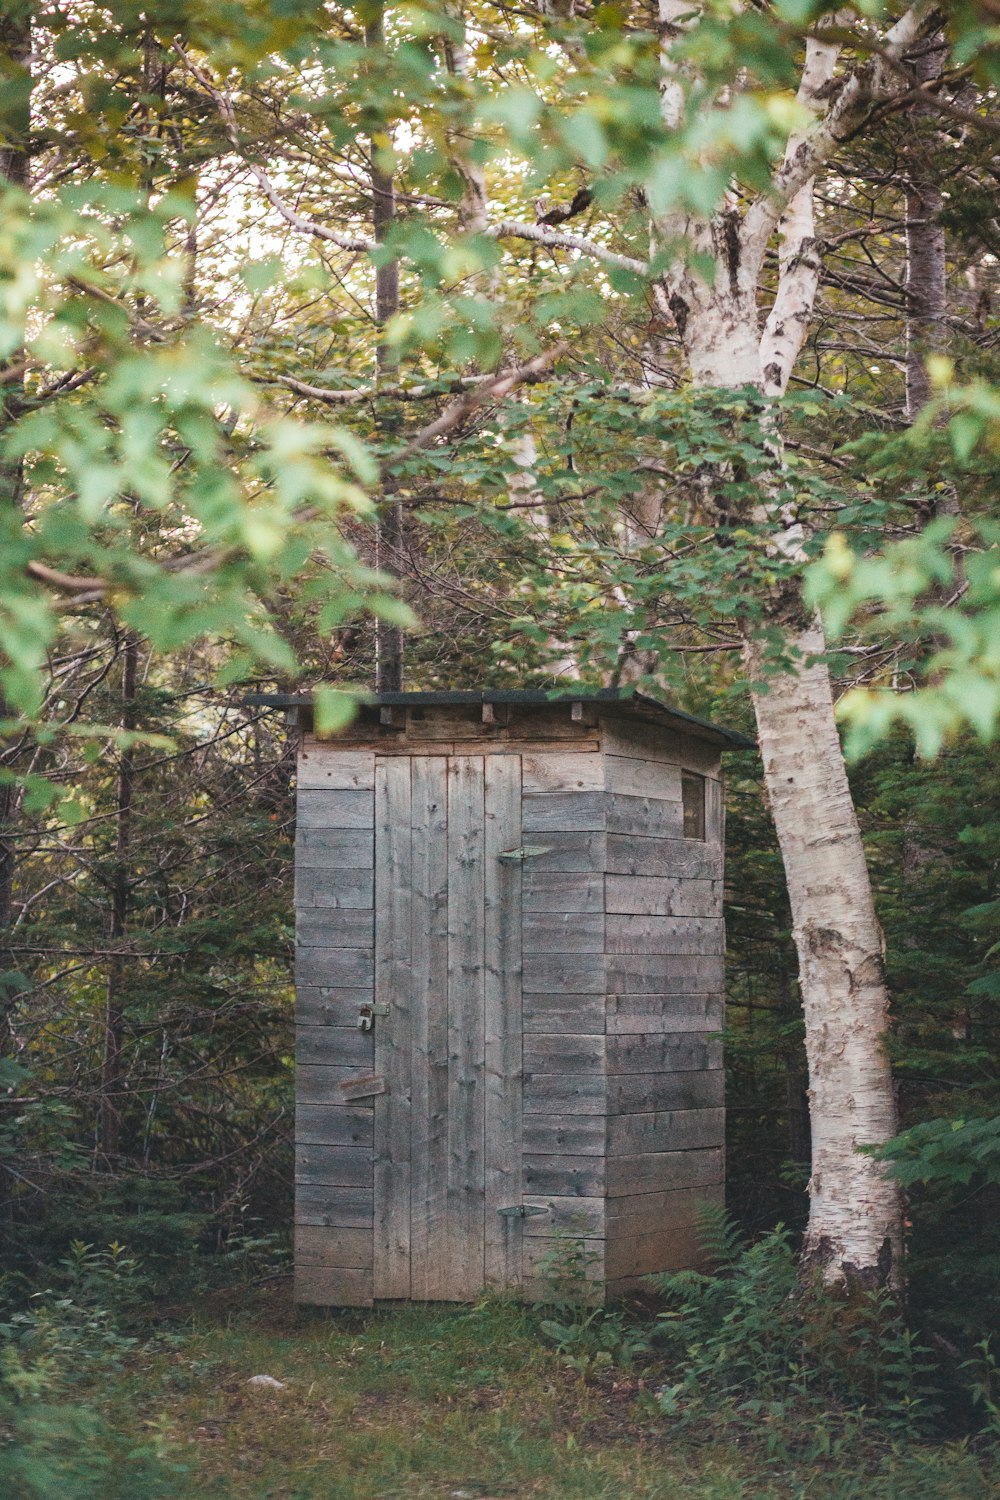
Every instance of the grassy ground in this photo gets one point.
(453, 1404)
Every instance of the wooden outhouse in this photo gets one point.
(509, 978)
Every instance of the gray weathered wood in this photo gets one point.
(664, 974)
(635, 1093)
(670, 935)
(634, 1255)
(334, 927)
(333, 809)
(325, 886)
(646, 1213)
(502, 1021)
(578, 1135)
(659, 1171)
(583, 1014)
(362, 1086)
(429, 1240)
(335, 848)
(316, 1245)
(627, 855)
(339, 1207)
(642, 778)
(663, 896)
(341, 1046)
(566, 1094)
(335, 968)
(569, 853)
(393, 884)
(321, 1085)
(715, 812)
(563, 771)
(547, 892)
(644, 817)
(337, 1166)
(663, 1052)
(328, 768)
(563, 932)
(666, 1130)
(567, 812)
(547, 973)
(334, 1125)
(466, 1041)
(564, 1176)
(325, 1005)
(569, 1216)
(564, 1053)
(649, 742)
(652, 1013)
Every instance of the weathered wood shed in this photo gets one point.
(509, 979)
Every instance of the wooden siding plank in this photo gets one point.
(466, 1044)
(327, 1286)
(552, 972)
(574, 1216)
(636, 1093)
(335, 1166)
(326, 1005)
(316, 1245)
(341, 1046)
(565, 1093)
(340, 848)
(663, 1052)
(323, 767)
(632, 1255)
(333, 809)
(584, 1014)
(564, 1053)
(646, 1213)
(642, 778)
(570, 853)
(670, 935)
(563, 932)
(663, 896)
(659, 1171)
(715, 812)
(628, 855)
(502, 1021)
(544, 891)
(564, 1176)
(647, 742)
(429, 1240)
(563, 812)
(580, 1135)
(651, 1013)
(337, 1207)
(323, 886)
(567, 771)
(666, 1130)
(334, 1125)
(664, 974)
(645, 817)
(334, 927)
(335, 968)
(393, 883)
(321, 1085)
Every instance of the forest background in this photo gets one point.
(323, 324)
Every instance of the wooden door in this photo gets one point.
(447, 1025)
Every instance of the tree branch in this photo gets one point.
(511, 229)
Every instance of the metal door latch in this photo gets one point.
(520, 1211)
(526, 851)
(367, 1014)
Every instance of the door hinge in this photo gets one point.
(526, 851)
(520, 1211)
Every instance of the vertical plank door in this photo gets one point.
(448, 970)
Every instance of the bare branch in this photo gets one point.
(511, 229)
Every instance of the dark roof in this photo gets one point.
(634, 705)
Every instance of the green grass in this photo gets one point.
(451, 1404)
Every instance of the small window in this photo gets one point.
(693, 802)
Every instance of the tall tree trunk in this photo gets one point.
(926, 282)
(389, 527)
(115, 995)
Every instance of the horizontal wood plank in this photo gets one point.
(648, 742)
(661, 1171)
(337, 1207)
(545, 891)
(334, 1125)
(629, 855)
(584, 1014)
(562, 771)
(636, 1093)
(573, 973)
(664, 974)
(563, 932)
(334, 927)
(567, 1216)
(326, 1286)
(569, 853)
(670, 935)
(545, 1264)
(651, 1013)
(335, 809)
(642, 778)
(335, 968)
(663, 1052)
(648, 1213)
(580, 1135)
(321, 1084)
(566, 812)
(563, 1052)
(328, 1005)
(335, 1166)
(663, 896)
(630, 1254)
(565, 1093)
(645, 817)
(324, 886)
(339, 1046)
(666, 1130)
(326, 768)
(563, 1176)
(315, 1245)
(335, 848)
